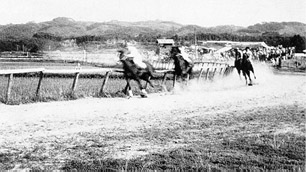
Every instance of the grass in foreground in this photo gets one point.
(249, 140)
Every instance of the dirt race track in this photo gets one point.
(48, 135)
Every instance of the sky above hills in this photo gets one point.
(204, 13)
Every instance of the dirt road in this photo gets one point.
(117, 120)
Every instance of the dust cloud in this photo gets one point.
(268, 83)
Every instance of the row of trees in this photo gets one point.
(43, 41)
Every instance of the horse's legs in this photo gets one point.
(128, 89)
(174, 79)
(245, 76)
(239, 72)
(251, 83)
(253, 73)
(146, 85)
(187, 78)
(143, 91)
(248, 74)
(148, 81)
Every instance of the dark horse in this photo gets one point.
(182, 68)
(133, 72)
(244, 64)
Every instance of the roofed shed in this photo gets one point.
(165, 42)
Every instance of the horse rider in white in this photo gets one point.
(133, 53)
(136, 56)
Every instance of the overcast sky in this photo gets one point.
(200, 12)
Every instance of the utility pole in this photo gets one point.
(195, 44)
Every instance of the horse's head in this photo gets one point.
(174, 51)
(121, 54)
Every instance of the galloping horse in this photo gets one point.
(133, 72)
(244, 64)
(182, 68)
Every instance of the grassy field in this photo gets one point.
(233, 140)
(59, 88)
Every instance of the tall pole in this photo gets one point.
(195, 44)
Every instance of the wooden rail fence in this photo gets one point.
(210, 69)
(42, 71)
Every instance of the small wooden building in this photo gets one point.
(165, 42)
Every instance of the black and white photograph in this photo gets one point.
(153, 85)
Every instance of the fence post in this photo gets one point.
(221, 69)
(200, 75)
(75, 81)
(9, 87)
(214, 72)
(207, 74)
(226, 70)
(104, 82)
(41, 74)
(168, 67)
(174, 79)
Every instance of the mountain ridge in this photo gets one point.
(68, 27)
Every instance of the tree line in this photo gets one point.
(46, 41)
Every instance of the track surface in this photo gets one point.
(29, 125)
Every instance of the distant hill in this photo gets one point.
(21, 31)
(67, 27)
(283, 28)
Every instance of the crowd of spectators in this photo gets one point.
(268, 54)
(274, 55)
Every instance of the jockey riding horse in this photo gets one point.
(182, 64)
(134, 72)
(243, 63)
